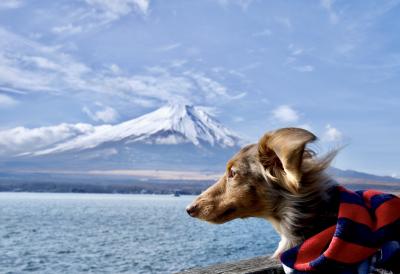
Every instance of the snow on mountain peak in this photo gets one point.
(171, 124)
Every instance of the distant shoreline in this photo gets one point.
(159, 187)
(104, 185)
(93, 193)
(114, 192)
(141, 182)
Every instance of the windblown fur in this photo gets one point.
(279, 179)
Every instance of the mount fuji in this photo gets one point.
(173, 136)
(161, 151)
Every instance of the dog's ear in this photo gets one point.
(281, 153)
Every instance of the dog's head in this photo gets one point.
(255, 177)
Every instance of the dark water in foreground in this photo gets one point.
(106, 233)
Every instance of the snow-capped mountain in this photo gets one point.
(169, 125)
(173, 136)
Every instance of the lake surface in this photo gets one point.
(112, 233)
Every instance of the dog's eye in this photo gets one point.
(232, 173)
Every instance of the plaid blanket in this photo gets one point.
(367, 221)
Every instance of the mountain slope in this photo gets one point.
(169, 125)
(175, 137)
(352, 174)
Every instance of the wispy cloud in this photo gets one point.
(328, 6)
(285, 114)
(98, 13)
(32, 67)
(305, 68)
(238, 96)
(10, 4)
(104, 114)
(7, 101)
(212, 88)
(168, 47)
(67, 29)
(294, 50)
(14, 76)
(244, 4)
(295, 56)
(238, 119)
(118, 8)
(178, 63)
(332, 134)
(115, 69)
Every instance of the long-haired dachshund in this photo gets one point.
(323, 227)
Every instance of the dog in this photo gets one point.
(283, 181)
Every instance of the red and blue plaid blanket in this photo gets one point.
(366, 221)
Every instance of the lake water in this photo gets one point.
(110, 233)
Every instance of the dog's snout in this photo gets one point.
(192, 210)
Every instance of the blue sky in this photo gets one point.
(330, 66)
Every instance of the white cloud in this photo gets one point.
(210, 86)
(285, 114)
(178, 63)
(10, 4)
(295, 54)
(116, 8)
(238, 119)
(12, 91)
(67, 29)
(106, 114)
(115, 69)
(306, 68)
(328, 6)
(168, 47)
(238, 96)
(332, 134)
(15, 76)
(41, 62)
(22, 139)
(143, 5)
(290, 60)
(159, 87)
(295, 50)
(213, 111)
(29, 66)
(98, 13)
(7, 101)
(244, 4)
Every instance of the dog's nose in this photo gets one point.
(191, 210)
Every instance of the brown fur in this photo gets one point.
(278, 179)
